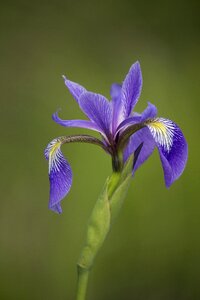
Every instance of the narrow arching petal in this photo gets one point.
(172, 147)
(144, 137)
(131, 89)
(98, 110)
(75, 89)
(76, 123)
(60, 174)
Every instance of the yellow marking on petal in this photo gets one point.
(159, 126)
(54, 154)
(162, 131)
(54, 148)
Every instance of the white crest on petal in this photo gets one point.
(53, 153)
(163, 131)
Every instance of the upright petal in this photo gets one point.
(60, 174)
(131, 89)
(98, 110)
(75, 89)
(117, 106)
(172, 147)
(115, 91)
(144, 137)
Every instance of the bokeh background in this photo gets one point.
(153, 250)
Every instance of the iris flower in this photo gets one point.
(123, 133)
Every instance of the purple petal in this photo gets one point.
(60, 175)
(128, 122)
(141, 136)
(115, 91)
(172, 148)
(98, 110)
(131, 89)
(75, 89)
(116, 106)
(76, 123)
(149, 113)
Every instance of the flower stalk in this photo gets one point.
(103, 215)
(83, 275)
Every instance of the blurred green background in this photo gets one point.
(153, 250)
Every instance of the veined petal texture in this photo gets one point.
(98, 109)
(149, 112)
(75, 89)
(172, 147)
(131, 89)
(144, 137)
(60, 174)
(117, 107)
(76, 123)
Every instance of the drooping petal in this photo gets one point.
(117, 107)
(75, 89)
(131, 89)
(172, 147)
(60, 174)
(144, 137)
(76, 123)
(98, 110)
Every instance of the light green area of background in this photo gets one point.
(153, 251)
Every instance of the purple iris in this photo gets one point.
(123, 133)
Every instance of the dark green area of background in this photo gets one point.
(153, 251)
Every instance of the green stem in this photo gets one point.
(104, 213)
(83, 275)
